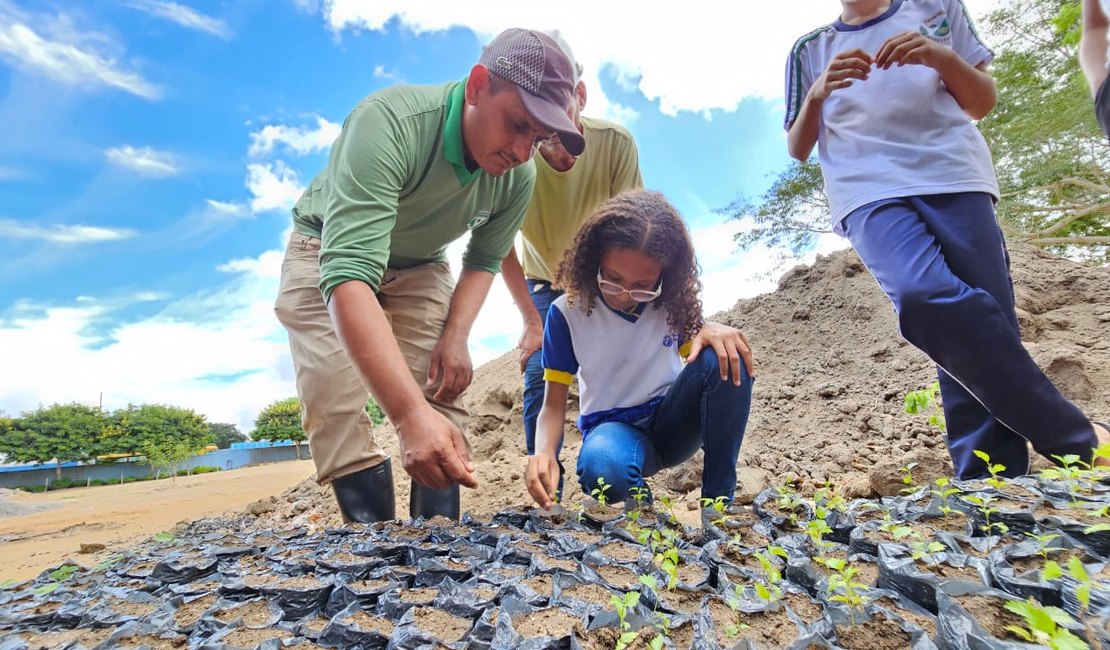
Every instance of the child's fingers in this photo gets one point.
(695, 350)
(883, 57)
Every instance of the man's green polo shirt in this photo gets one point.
(396, 191)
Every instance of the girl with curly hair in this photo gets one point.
(630, 318)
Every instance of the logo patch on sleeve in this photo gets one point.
(478, 220)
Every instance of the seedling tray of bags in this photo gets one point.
(791, 572)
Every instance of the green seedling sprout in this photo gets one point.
(668, 508)
(942, 492)
(622, 604)
(907, 478)
(57, 577)
(660, 621)
(598, 493)
(1044, 625)
(771, 592)
(668, 560)
(925, 401)
(639, 494)
(920, 550)
(1044, 543)
(718, 505)
(989, 527)
(816, 529)
(842, 587)
(1084, 583)
(1071, 470)
(995, 481)
(736, 626)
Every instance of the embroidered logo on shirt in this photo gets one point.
(478, 220)
(937, 28)
(670, 340)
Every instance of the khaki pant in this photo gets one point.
(333, 398)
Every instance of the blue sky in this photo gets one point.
(150, 151)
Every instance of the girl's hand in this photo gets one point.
(729, 343)
(914, 48)
(542, 478)
(848, 65)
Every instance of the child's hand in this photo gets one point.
(542, 478)
(731, 346)
(848, 65)
(913, 48)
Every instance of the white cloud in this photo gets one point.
(222, 207)
(54, 49)
(8, 173)
(144, 160)
(298, 140)
(273, 186)
(184, 16)
(381, 73)
(685, 56)
(62, 234)
(178, 356)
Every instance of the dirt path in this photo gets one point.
(118, 515)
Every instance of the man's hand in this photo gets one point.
(912, 48)
(542, 478)
(530, 342)
(729, 343)
(846, 66)
(433, 450)
(451, 363)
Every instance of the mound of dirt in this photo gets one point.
(828, 403)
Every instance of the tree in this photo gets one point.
(60, 433)
(1052, 160)
(281, 421)
(136, 427)
(166, 454)
(223, 434)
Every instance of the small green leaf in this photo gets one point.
(42, 590)
(165, 537)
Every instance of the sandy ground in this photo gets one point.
(119, 515)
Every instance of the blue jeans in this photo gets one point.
(542, 296)
(699, 411)
(942, 261)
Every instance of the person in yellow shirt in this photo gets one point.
(568, 190)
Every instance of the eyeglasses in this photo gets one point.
(639, 295)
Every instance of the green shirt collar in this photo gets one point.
(453, 148)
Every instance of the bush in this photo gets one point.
(130, 479)
(32, 488)
(205, 469)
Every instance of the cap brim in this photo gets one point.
(556, 119)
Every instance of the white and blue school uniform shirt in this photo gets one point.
(624, 361)
(900, 132)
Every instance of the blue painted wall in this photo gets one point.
(225, 459)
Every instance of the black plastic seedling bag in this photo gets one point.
(434, 570)
(767, 506)
(410, 636)
(103, 612)
(467, 600)
(506, 637)
(1028, 584)
(229, 613)
(1098, 541)
(180, 570)
(223, 640)
(166, 618)
(365, 592)
(394, 604)
(958, 630)
(297, 601)
(839, 618)
(562, 594)
(899, 572)
(347, 564)
(353, 627)
(1017, 515)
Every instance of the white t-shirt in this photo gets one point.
(900, 132)
(1106, 12)
(625, 362)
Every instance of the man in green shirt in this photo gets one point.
(568, 190)
(366, 294)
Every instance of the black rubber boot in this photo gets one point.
(429, 502)
(366, 496)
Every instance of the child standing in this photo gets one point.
(630, 316)
(886, 92)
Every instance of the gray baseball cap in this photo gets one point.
(543, 75)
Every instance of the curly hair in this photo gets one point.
(646, 222)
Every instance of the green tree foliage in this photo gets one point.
(165, 455)
(377, 415)
(223, 434)
(135, 428)
(60, 433)
(1052, 161)
(281, 421)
